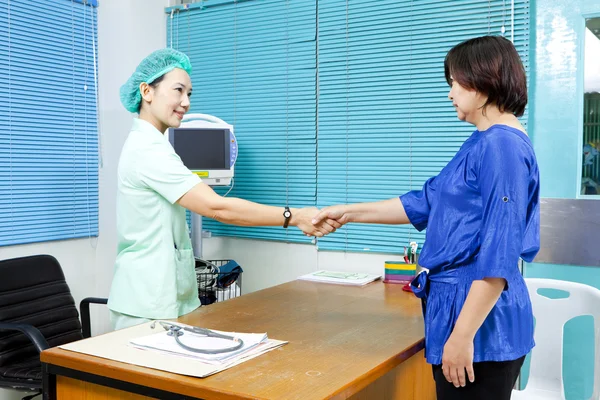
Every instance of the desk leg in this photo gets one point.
(48, 383)
(411, 380)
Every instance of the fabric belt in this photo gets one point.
(420, 284)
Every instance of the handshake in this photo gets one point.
(315, 222)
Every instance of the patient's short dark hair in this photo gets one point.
(492, 66)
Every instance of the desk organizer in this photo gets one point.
(399, 272)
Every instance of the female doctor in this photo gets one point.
(154, 275)
(481, 213)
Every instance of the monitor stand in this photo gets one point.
(196, 230)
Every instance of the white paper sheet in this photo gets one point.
(115, 346)
(340, 278)
(161, 341)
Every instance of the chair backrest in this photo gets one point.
(33, 291)
(551, 315)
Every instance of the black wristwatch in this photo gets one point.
(287, 215)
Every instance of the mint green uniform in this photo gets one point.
(154, 271)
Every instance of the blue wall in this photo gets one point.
(556, 112)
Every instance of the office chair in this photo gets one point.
(37, 312)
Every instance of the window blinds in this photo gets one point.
(48, 120)
(381, 119)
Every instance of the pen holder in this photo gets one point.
(399, 272)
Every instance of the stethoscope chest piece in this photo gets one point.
(174, 330)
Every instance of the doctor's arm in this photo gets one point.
(203, 200)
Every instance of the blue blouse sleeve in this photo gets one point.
(417, 205)
(503, 179)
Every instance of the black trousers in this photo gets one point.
(493, 381)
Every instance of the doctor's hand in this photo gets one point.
(458, 357)
(303, 220)
(336, 213)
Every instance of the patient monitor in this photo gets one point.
(206, 146)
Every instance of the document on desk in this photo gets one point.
(164, 343)
(117, 346)
(340, 278)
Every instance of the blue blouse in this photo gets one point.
(481, 213)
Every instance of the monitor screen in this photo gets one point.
(202, 149)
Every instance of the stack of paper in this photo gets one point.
(118, 346)
(162, 342)
(340, 278)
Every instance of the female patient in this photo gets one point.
(481, 213)
(154, 272)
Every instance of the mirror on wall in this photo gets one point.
(590, 178)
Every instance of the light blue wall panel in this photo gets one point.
(556, 110)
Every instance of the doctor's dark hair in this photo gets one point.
(491, 66)
(158, 80)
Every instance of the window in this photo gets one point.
(253, 65)
(385, 122)
(48, 121)
(590, 178)
(380, 123)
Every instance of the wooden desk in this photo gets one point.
(344, 343)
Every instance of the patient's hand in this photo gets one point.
(303, 220)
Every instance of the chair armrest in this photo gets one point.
(84, 307)
(32, 333)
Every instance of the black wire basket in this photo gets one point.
(218, 280)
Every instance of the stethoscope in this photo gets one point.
(177, 330)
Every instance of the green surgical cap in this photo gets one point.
(150, 69)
